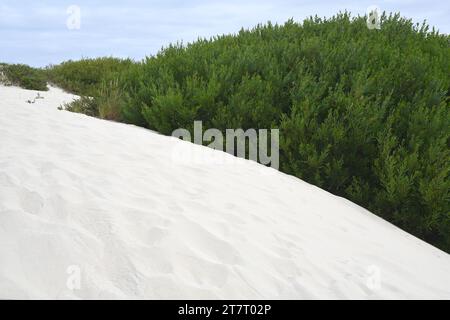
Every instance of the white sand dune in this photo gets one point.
(106, 202)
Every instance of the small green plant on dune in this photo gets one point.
(109, 99)
(85, 105)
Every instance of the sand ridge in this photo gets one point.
(108, 201)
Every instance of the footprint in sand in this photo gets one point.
(31, 202)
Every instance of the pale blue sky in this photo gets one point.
(35, 32)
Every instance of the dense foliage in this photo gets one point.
(85, 76)
(362, 113)
(24, 76)
(96, 81)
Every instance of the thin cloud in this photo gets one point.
(36, 33)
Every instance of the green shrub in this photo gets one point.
(86, 105)
(109, 99)
(362, 113)
(96, 81)
(85, 76)
(25, 76)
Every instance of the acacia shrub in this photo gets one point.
(362, 113)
